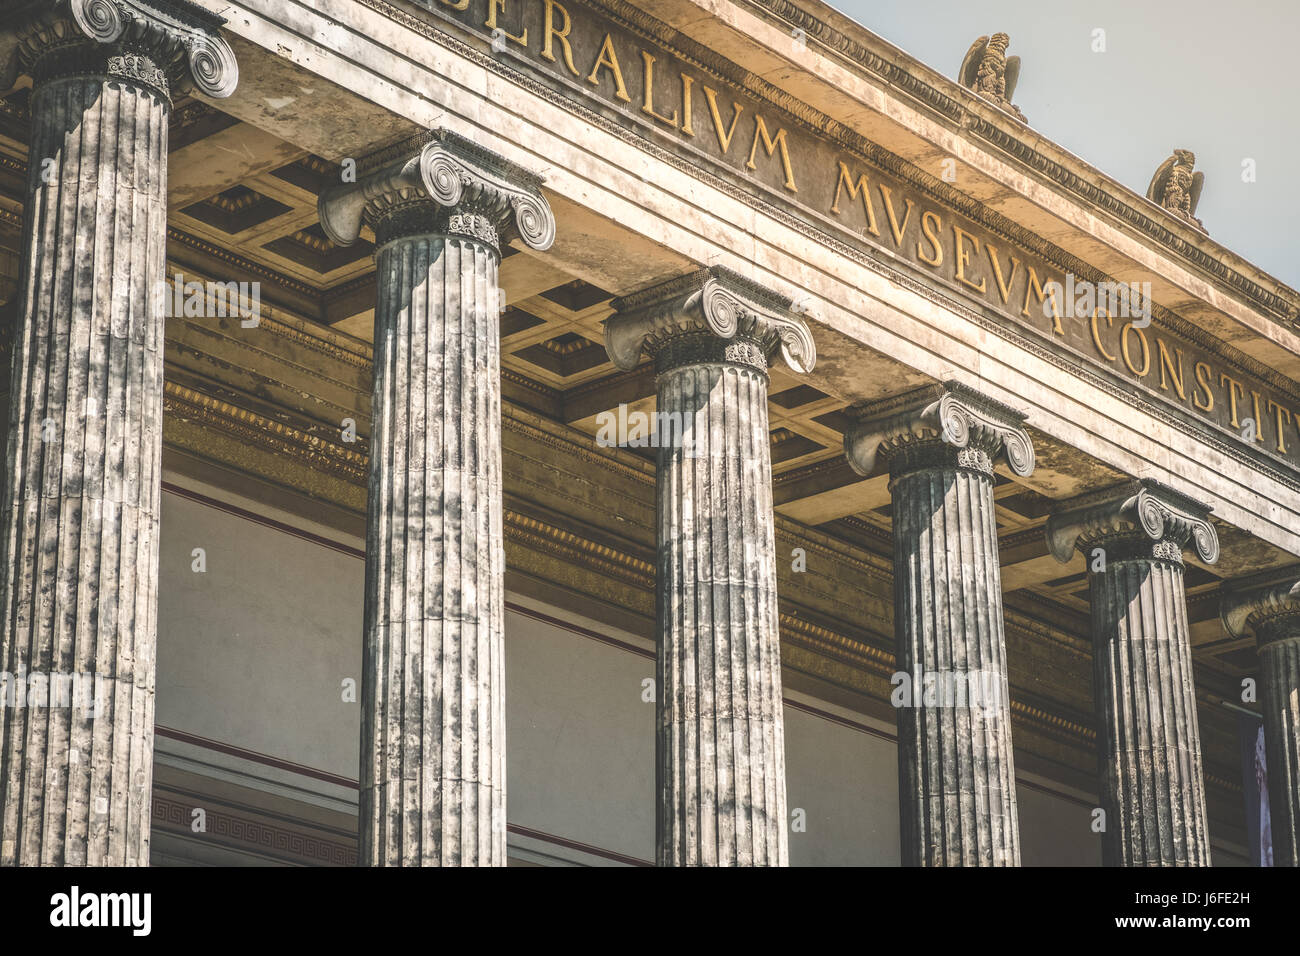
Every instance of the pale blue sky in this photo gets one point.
(1219, 78)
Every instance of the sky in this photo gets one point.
(1219, 78)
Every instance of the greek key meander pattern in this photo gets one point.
(226, 826)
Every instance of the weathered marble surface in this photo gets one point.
(956, 772)
(1148, 737)
(79, 519)
(1273, 613)
(433, 774)
(720, 744)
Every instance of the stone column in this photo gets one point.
(720, 744)
(433, 783)
(79, 519)
(956, 773)
(1273, 613)
(1148, 738)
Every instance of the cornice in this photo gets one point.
(266, 433)
(1017, 141)
(969, 113)
(1026, 338)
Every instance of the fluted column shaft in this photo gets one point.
(433, 754)
(1152, 781)
(79, 525)
(957, 794)
(956, 771)
(721, 745)
(720, 738)
(81, 486)
(1151, 778)
(1279, 698)
(1273, 613)
(433, 778)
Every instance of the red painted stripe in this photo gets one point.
(255, 757)
(253, 516)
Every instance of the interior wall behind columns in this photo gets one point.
(253, 652)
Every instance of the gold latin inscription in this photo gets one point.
(499, 6)
(1128, 356)
(552, 34)
(1203, 379)
(930, 232)
(887, 194)
(1035, 288)
(724, 139)
(1281, 439)
(1004, 284)
(1136, 351)
(1234, 389)
(648, 104)
(1167, 365)
(771, 144)
(687, 83)
(1096, 335)
(861, 187)
(963, 257)
(609, 60)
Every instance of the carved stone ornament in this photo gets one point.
(714, 300)
(159, 42)
(951, 412)
(481, 192)
(1270, 611)
(1176, 188)
(987, 70)
(1139, 508)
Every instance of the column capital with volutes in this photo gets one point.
(1140, 511)
(975, 428)
(439, 181)
(162, 44)
(1271, 611)
(711, 315)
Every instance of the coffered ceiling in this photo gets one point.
(243, 208)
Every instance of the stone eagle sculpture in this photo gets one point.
(1177, 188)
(991, 73)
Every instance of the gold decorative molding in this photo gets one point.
(268, 434)
(599, 557)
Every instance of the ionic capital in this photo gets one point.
(1271, 611)
(156, 42)
(481, 193)
(714, 302)
(951, 413)
(1136, 509)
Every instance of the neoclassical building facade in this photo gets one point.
(598, 432)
